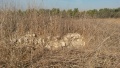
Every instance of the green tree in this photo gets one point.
(64, 13)
(55, 11)
(92, 13)
(70, 13)
(104, 13)
(75, 12)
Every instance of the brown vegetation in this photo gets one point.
(102, 37)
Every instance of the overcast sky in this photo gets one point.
(62, 4)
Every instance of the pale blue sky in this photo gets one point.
(63, 4)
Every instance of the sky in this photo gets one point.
(62, 4)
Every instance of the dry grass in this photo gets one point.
(102, 37)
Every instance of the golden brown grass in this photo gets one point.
(102, 37)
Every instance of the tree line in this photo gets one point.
(75, 13)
